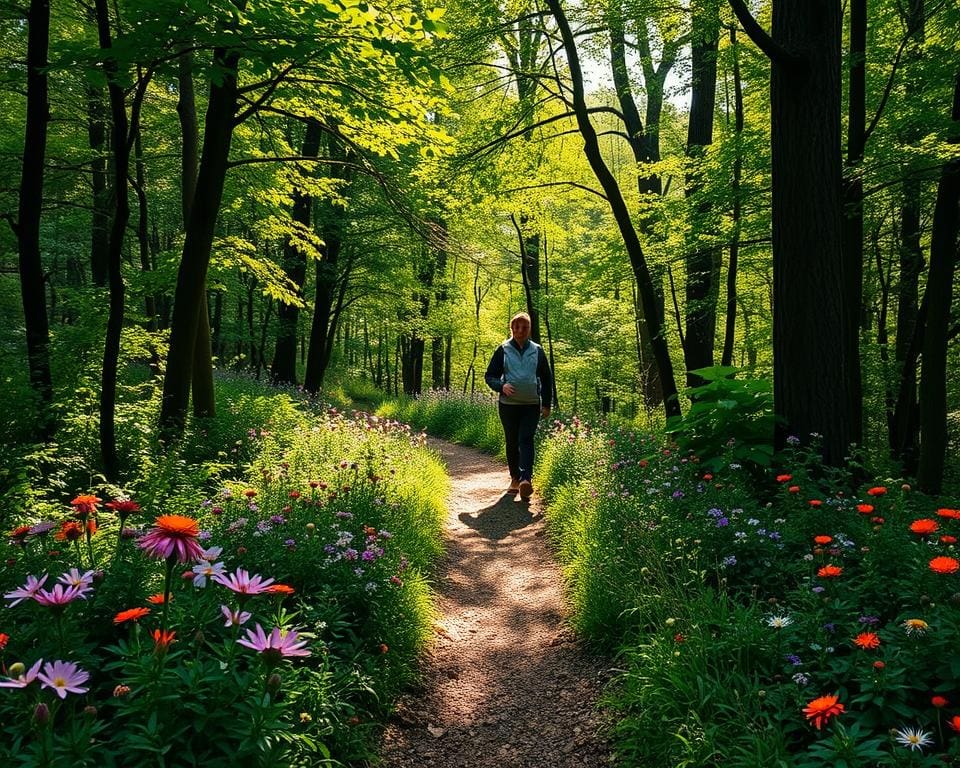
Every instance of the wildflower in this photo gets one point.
(85, 505)
(954, 723)
(131, 614)
(173, 536)
(878, 490)
(821, 709)
(914, 738)
(28, 591)
(243, 583)
(784, 478)
(4, 639)
(865, 509)
(64, 677)
(249, 493)
(280, 589)
(275, 646)
(43, 528)
(70, 530)
(206, 570)
(829, 572)
(879, 666)
(952, 514)
(815, 503)
(870, 621)
(915, 627)
(794, 489)
(729, 561)
(779, 622)
(924, 526)
(800, 679)
(947, 539)
(234, 617)
(59, 596)
(867, 640)
(20, 532)
(123, 507)
(944, 565)
(162, 639)
(939, 701)
(821, 540)
(73, 578)
(24, 678)
(158, 599)
(793, 659)
(121, 690)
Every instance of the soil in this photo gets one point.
(505, 683)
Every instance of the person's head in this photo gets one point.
(520, 327)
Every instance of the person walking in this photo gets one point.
(520, 373)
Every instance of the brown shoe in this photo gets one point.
(514, 485)
(526, 489)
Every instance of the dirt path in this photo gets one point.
(505, 684)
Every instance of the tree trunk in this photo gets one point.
(284, 366)
(27, 229)
(813, 380)
(702, 261)
(318, 355)
(143, 229)
(100, 217)
(121, 214)
(730, 324)
(191, 279)
(939, 293)
(621, 214)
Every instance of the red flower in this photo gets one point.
(947, 539)
(953, 514)
(157, 599)
(939, 701)
(879, 666)
(954, 722)
(708, 476)
(4, 639)
(643, 463)
(280, 589)
(85, 504)
(877, 491)
(829, 572)
(19, 532)
(794, 489)
(131, 614)
(925, 526)
(865, 509)
(944, 565)
(867, 640)
(822, 540)
(822, 709)
(815, 503)
(294, 494)
(123, 507)
(876, 520)
(784, 478)
(162, 639)
(70, 530)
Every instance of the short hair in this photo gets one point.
(520, 316)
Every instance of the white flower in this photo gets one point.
(914, 738)
(779, 622)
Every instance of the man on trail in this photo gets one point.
(519, 371)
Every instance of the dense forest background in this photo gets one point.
(340, 194)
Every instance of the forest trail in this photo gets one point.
(505, 683)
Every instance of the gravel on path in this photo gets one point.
(505, 683)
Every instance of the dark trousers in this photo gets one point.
(519, 426)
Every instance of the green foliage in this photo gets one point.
(467, 420)
(728, 418)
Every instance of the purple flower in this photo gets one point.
(275, 646)
(28, 591)
(722, 522)
(278, 519)
(678, 494)
(42, 528)
(818, 589)
(243, 583)
(729, 561)
(59, 596)
(350, 554)
(206, 570)
(64, 677)
(23, 680)
(870, 621)
(236, 617)
(82, 581)
(368, 555)
(794, 660)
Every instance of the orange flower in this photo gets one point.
(91, 526)
(944, 565)
(867, 640)
(877, 491)
(162, 639)
(953, 514)
(157, 599)
(822, 709)
(815, 503)
(70, 530)
(4, 639)
(131, 614)
(85, 504)
(280, 589)
(939, 701)
(865, 509)
(19, 532)
(954, 722)
(925, 526)
(829, 572)
(947, 539)
(784, 478)
(822, 540)
(249, 493)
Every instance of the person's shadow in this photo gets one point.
(501, 519)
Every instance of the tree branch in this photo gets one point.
(774, 51)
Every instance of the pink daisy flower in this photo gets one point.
(173, 536)
(275, 646)
(59, 596)
(64, 677)
(234, 618)
(23, 680)
(27, 591)
(243, 583)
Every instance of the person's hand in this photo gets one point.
(545, 411)
(508, 389)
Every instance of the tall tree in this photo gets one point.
(27, 226)
(813, 381)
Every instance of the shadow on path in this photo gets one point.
(499, 520)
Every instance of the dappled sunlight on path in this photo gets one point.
(505, 684)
